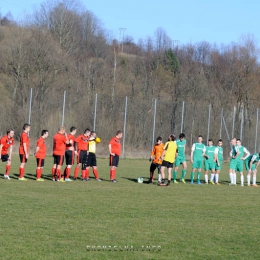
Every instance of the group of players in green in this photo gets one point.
(172, 154)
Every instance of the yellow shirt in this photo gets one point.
(171, 149)
(92, 146)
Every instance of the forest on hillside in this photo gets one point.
(63, 46)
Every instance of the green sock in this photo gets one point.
(183, 173)
(174, 175)
(198, 176)
(192, 176)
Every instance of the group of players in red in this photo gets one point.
(64, 146)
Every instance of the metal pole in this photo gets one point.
(233, 124)
(95, 113)
(154, 120)
(182, 115)
(123, 154)
(256, 128)
(241, 126)
(63, 109)
(208, 123)
(226, 131)
(30, 108)
(220, 130)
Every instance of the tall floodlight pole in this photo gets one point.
(123, 154)
(226, 131)
(182, 115)
(154, 120)
(220, 130)
(208, 122)
(122, 34)
(63, 108)
(30, 108)
(242, 123)
(256, 128)
(233, 123)
(95, 113)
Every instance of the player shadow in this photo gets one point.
(135, 180)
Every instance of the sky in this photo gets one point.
(185, 21)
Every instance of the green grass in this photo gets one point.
(51, 220)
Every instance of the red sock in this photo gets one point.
(53, 172)
(76, 172)
(7, 169)
(21, 172)
(38, 173)
(87, 173)
(113, 174)
(58, 172)
(95, 172)
(110, 173)
(67, 173)
(151, 175)
(83, 174)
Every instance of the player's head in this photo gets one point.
(200, 138)
(73, 130)
(233, 141)
(158, 139)
(171, 137)
(45, 133)
(119, 134)
(62, 129)
(87, 132)
(182, 136)
(26, 127)
(238, 142)
(93, 133)
(210, 142)
(10, 132)
(220, 142)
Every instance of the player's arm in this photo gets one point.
(36, 150)
(216, 156)
(192, 151)
(204, 152)
(25, 150)
(110, 150)
(10, 153)
(1, 150)
(67, 139)
(246, 152)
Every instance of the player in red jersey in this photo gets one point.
(59, 146)
(40, 154)
(82, 149)
(92, 160)
(70, 152)
(24, 150)
(115, 151)
(7, 141)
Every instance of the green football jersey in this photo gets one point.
(181, 147)
(198, 150)
(219, 152)
(253, 157)
(210, 153)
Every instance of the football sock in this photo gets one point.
(248, 179)
(216, 177)
(76, 173)
(151, 175)
(183, 173)
(67, 173)
(234, 178)
(53, 171)
(174, 175)
(198, 177)
(21, 172)
(242, 179)
(95, 172)
(7, 169)
(110, 173)
(58, 172)
(254, 180)
(212, 177)
(231, 177)
(38, 173)
(192, 176)
(83, 174)
(206, 177)
(87, 173)
(159, 177)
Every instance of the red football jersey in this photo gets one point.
(115, 146)
(6, 143)
(71, 144)
(59, 144)
(42, 151)
(24, 139)
(82, 142)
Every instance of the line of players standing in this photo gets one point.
(172, 154)
(64, 146)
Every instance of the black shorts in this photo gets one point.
(69, 156)
(4, 157)
(114, 160)
(154, 166)
(23, 158)
(92, 160)
(58, 159)
(167, 164)
(40, 162)
(82, 156)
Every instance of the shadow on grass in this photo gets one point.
(135, 180)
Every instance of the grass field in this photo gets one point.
(52, 220)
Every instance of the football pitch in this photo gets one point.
(126, 220)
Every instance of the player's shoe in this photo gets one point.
(254, 185)
(206, 182)
(7, 177)
(22, 179)
(87, 179)
(84, 179)
(191, 182)
(199, 183)
(97, 179)
(217, 183)
(182, 180)
(74, 179)
(174, 181)
(39, 179)
(242, 185)
(169, 183)
(211, 182)
(68, 179)
(113, 181)
(231, 184)
(248, 185)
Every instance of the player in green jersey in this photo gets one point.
(181, 159)
(197, 152)
(209, 163)
(242, 150)
(233, 162)
(251, 163)
(218, 157)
